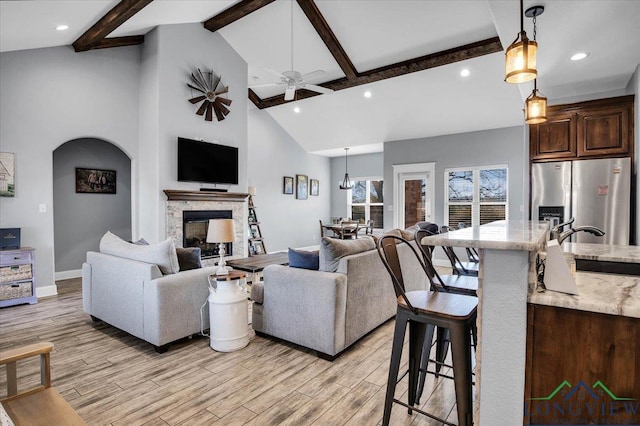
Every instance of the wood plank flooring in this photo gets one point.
(112, 378)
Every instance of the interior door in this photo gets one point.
(414, 201)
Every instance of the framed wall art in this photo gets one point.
(315, 187)
(7, 174)
(302, 187)
(287, 187)
(95, 181)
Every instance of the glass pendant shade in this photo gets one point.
(535, 108)
(520, 60)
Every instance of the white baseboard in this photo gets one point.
(66, 275)
(50, 290)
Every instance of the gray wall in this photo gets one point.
(359, 166)
(51, 96)
(80, 220)
(273, 154)
(497, 146)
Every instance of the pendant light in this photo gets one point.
(520, 57)
(536, 104)
(346, 183)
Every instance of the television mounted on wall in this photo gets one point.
(207, 162)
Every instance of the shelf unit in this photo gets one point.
(256, 243)
(17, 277)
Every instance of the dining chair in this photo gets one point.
(422, 311)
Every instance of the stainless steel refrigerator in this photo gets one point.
(595, 192)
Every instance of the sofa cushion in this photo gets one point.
(304, 259)
(333, 249)
(188, 258)
(162, 254)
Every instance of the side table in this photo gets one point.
(17, 277)
(228, 311)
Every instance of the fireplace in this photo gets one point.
(195, 224)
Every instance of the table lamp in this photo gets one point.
(221, 231)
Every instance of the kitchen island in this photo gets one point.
(507, 275)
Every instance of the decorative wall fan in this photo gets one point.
(294, 80)
(209, 85)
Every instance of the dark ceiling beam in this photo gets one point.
(328, 37)
(234, 13)
(117, 42)
(445, 57)
(109, 22)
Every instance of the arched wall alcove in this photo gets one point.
(81, 219)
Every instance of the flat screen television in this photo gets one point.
(207, 162)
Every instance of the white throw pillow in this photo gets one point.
(162, 254)
(332, 250)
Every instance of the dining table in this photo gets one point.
(345, 229)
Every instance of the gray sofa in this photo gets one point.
(329, 311)
(135, 296)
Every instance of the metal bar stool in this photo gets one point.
(423, 310)
(456, 284)
(459, 267)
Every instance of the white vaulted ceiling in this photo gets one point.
(376, 33)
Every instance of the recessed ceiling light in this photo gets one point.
(578, 56)
(296, 110)
(62, 27)
(465, 72)
(367, 94)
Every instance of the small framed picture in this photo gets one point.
(315, 187)
(7, 174)
(95, 181)
(258, 248)
(302, 187)
(287, 187)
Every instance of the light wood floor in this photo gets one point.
(112, 378)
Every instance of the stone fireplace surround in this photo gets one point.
(179, 201)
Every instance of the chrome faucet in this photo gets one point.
(557, 233)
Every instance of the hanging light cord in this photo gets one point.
(534, 26)
(521, 16)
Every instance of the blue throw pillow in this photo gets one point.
(304, 259)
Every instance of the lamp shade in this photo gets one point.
(520, 60)
(252, 190)
(221, 231)
(535, 108)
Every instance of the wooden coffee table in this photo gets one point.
(256, 264)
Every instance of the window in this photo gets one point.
(365, 202)
(475, 195)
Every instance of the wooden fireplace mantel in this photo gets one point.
(179, 195)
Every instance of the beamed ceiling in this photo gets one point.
(96, 38)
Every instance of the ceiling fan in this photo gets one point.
(294, 80)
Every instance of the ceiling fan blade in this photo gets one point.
(209, 116)
(318, 89)
(197, 99)
(225, 89)
(273, 72)
(224, 101)
(219, 114)
(218, 105)
(203, 107)
(266, 85)
(196, 88)
(289, 93)
(313, 75)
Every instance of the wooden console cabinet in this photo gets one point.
(593, 129)
(590, 360)
(17, 277)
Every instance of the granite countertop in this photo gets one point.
(597, 292)
(603, 252)
(500, 235)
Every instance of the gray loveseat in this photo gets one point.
(329, 311)
(135, 296)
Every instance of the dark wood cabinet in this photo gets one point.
(556, 138)
(593, 129)
(581, 367)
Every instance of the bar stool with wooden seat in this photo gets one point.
(424, 310)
